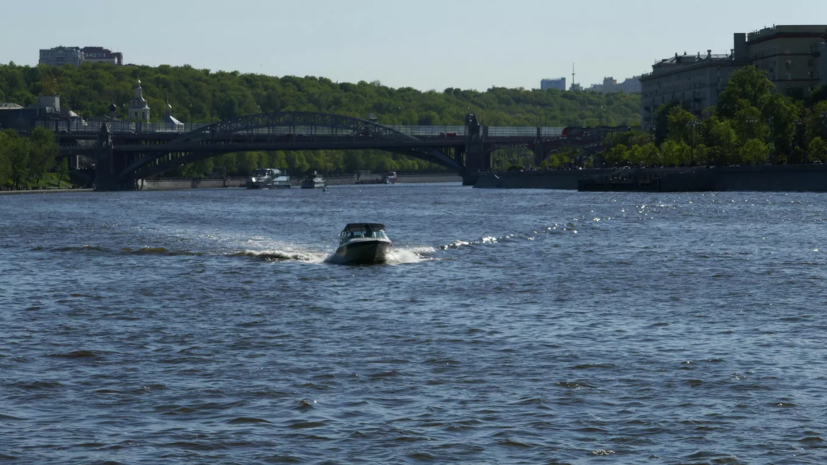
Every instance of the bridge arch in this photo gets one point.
(282, 131)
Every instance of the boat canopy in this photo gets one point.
(364, 227)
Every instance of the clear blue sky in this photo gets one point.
(426, 44)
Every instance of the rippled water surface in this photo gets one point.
(207, 326)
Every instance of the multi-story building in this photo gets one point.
(790, 56)
(60, 56)
(610, 85)
(559, 84)
(102, 55)
(694, 81)
(793, 57)
(75, 56)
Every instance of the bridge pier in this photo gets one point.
(107, 166)
(476, 159)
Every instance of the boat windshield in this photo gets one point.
(258, 173)
(362, 234)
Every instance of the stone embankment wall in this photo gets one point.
(772, 178)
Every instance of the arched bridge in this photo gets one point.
(126, 152)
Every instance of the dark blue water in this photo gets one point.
(196, 327)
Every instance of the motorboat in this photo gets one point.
(364, 243)
(391, 177)
(266, 178)
(282, 182)
(313, 180)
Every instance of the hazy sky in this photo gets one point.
(426, 44)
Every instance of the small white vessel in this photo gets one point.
(391, 177)
(313, 180)
(267, 178)
(282, 182)
(364, 243)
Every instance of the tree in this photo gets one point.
(43, 150)
(646, 155)
(782, 113)
(15, 151)
(749, 123)
(618, 155)
(748, 87)
(675, 153)
(679, 127)
(817, 150)
(62, 171)
(662, 121)
(720, 139)
(754, 152)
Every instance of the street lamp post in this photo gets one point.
(772, 141)
(824, 123)
(751, 121)
(691, 125)
(797, 136)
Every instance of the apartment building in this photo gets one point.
(559, 84)
(695, 81)
(60, 56)
(75, 56)
(792, 56)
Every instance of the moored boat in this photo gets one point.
(364, 243)
(263, 178)
(313, 180)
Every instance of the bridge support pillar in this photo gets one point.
(107, 168)
(539, 153)
(476, 160)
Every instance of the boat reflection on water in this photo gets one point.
(364, 243)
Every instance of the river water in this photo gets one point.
(207, 326)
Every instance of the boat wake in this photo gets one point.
(282, 256)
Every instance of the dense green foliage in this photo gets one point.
(750, 125)
(25, 160)
(205, 96)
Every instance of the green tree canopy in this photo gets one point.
(748, 87)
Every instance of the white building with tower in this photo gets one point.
(138, 108)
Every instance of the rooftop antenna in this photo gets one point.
(573, 74)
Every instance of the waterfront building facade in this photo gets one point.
(694, 81)
(559, 84)
(76, 56)
(792, 56)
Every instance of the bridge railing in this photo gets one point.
(523, 131)
(119, 127)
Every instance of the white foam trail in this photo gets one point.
(403, 256)
(285, 256)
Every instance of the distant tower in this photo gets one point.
(138, 108)
(574, 85)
